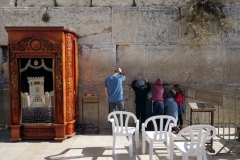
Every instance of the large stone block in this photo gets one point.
(208, 64)
(8, 3)
(145, 25)
(231, 34)
(19, 17)
(178, 3)
(104, 3)
(97, 62)
(93, 25)
(1, 62)
(4, 107)
(232, 63)
(133, 59)
(172, 63)
(36, 3)
(64, 3)
(5, 72)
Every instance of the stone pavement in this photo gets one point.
(89, 146)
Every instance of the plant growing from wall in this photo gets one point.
(206, 19)
(134, 4)
(46, 17)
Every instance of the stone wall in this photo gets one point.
(146, 40)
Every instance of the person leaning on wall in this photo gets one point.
(157, 97)
(179, 98)
(141, 88)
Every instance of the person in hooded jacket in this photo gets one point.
(157, 97)
(141, 88)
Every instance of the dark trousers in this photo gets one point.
(141, 113)
(180, 120)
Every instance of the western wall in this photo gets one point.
(146, 39)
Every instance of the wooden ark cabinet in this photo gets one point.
(43, 82)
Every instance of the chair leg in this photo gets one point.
(137, 139)
(170, 151)
(130, 145)
(114, 143)
(199, 157)
(150, 149)
(143, 144)
(184, 157)
(205, 155)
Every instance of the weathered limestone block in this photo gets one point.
(104, 3)
(7, 3)
(172, 63)
(232, 33)
(178, 3)
(133, 58)
(36, 3)
(232, 63)
(4, 107)
(208, 64)
(67, 3)
(97, 62)
(5, 72)
(93, 25)
(1, 62)
(19, 17)
(145, 25)
(229, 103)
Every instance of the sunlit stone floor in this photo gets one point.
(93, 146)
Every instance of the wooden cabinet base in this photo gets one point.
(58, 132)
(15, 133)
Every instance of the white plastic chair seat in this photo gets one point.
(130, 130)
(151, 134)
(185, 146)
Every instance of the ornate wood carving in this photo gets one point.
(14, 87)
(70, 85)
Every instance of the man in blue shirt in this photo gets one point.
(114, 90)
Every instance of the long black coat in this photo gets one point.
(140, 93)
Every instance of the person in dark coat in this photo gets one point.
(141, 89)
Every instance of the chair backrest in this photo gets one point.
(162, 125)
(199, 134)
(121, 124)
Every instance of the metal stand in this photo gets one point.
(90, 99)
(202, 107)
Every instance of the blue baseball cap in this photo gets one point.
(141, 82)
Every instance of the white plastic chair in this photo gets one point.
(120, 129)
(160, 133)
(196, 145)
